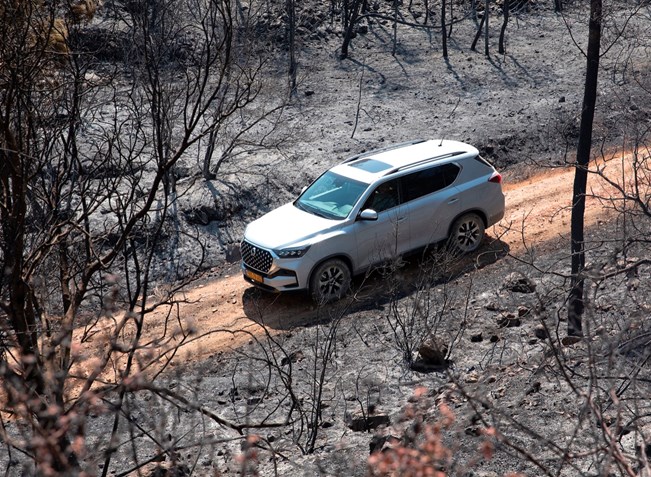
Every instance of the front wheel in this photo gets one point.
(467, 233)
(330, 281)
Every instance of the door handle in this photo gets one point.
(401, 219)
(453, 200)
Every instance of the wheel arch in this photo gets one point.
(345, 258)
(479, 212)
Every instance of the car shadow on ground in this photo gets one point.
(284, 311)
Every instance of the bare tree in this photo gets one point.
(350, 13)
(444, 33)
(482, 28)
(575, 301)
(299, 381)
(486, 16)
(506, 10)
(291, 41)
(478, 34)
(87, 203)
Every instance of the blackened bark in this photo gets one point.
(478, 34)
(444, 33)
(486, 5)
(351, 15)
(576, 298)
(291, 40)
(507, 10)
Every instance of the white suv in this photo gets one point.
(371, 208)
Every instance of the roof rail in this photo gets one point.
(425, 161)
(384, 149)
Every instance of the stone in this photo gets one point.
(203, 215)
(473, 431)
(421, 366)
(571, 340)
(476, 337)
(509, 320)
(492, 306)
(380, 443)
(358, 422)
(540, 332)
(472, 377)
(232, 253)
(293, 357)
(516, 282)
(534, 388)
(433, 351)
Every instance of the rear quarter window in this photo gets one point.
(418, 184)
(482, 161)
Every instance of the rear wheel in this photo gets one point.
(330, 281)
(467, 233)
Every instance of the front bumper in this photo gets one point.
(280, 280)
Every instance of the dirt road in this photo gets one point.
(538, 213)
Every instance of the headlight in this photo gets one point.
(292, 252)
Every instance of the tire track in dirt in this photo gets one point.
(538, 213)
(538, 209)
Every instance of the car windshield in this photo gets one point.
(331, 196)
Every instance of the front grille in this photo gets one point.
(256, 257)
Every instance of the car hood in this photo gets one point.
(288, 226)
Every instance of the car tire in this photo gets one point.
(330, 281)
(466, 233)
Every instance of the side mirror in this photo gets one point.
(368, 214)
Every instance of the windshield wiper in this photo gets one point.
(313, 210)
(300, 206)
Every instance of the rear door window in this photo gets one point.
(418, 184)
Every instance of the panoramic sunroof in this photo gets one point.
(370, 165)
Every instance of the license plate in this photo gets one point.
(256, 277)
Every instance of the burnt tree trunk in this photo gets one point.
(486, 5)
(395, 27)
(478, 34)
(291, 41)
(351, 15)
(444, 33)
(451, 19)
(575, 305)
(507, 11)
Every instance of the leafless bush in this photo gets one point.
(415, 312)
(88, 205)
(303, 380)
